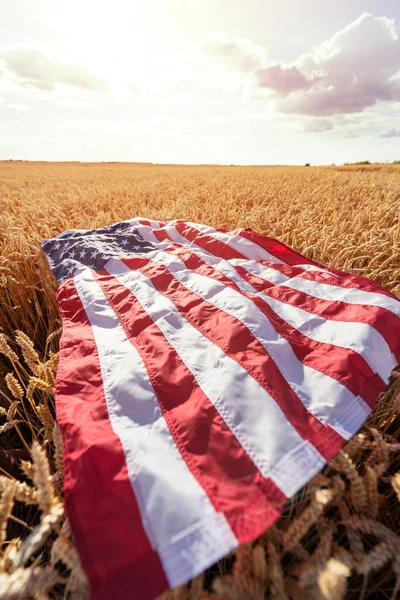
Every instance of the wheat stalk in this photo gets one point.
(309, 516)
(23, 583)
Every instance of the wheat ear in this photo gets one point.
(6, 506)
(14, 386)
(332, 581)
(6, 349)
(24, 583)
(22, 491)
(299, 527)
(29, 353)
(41, 478)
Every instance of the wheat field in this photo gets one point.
(340, 536)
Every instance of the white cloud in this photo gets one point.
(355, 69)
(283, 79)
(238, 55)
(390, 132)
(34, 67)
(318, 125)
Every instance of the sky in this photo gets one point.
(216, 81)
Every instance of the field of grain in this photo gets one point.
(339, 538)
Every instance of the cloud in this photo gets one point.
(390, 132)
(282, 80)
(31, 66)
(354, 70)
(238, 55)
(318, 125)
(358, 67)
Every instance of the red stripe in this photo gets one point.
(161, 235)
(223, 250)
(346, 281)
(381, 319)
(101, 505)
(282, 252)
(374, 316)
(233, 483)
(348, 367)
(288, 270)
(237, 341)
(148, 224)
(274, 247)
(261, 285)
(378, 317)
(207, 242)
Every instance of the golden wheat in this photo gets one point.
(345, 524)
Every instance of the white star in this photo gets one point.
(94, 254)
(70, 269)
(73, 254)
(57, 246)
(82, 254)
(124, 243)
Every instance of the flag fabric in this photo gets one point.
(205, 376)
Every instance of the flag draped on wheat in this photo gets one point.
(205, 376)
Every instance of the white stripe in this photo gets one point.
(271, 274)
(137, 221)
(147, 234)
(178, 238)
(326, 291)
(324, 397)
(254, 268)
(250, 266)
(315, 268)
(157, 471)
(246, 407)
(175, 236)
(239, 243)
(361, 338)
(259, 270)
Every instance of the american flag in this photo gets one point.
(205, 376)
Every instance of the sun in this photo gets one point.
(118, 40)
